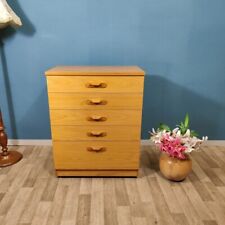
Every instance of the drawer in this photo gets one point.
(96, 155)
(95, 84)
(94, 101)
(95, 117)
(99, 133)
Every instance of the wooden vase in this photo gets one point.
(174, 169)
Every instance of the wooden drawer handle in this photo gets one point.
(96, 149)
(97, 118)
(96, 102)
(96, 85)
(96, 134)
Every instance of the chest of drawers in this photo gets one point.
(95, 115)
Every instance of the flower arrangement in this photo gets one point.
(177, 142)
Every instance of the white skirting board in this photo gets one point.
(44, 142)
(47, 142)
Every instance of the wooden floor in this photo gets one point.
(31, 194)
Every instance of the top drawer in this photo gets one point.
(116, 84)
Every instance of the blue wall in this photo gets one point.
(180, 44)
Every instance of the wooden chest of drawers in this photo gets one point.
(95, 119)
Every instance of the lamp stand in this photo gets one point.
(7, 158)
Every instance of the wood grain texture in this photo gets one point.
(96, 117)
(77, 156)
(97, 173)
(95, 70)
(93, 133)
(149, 199)
(94, 101)
(89, 104)
(80, 84)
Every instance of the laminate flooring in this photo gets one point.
(31, 194)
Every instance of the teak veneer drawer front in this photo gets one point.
(96, 155)
(94, 101)
(95, 84)
(100, 133)
(95, 117)
(95, 114)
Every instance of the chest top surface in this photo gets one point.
(95, 71)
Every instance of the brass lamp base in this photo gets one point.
(11, 158)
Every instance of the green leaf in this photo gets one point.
(186, 121)
(163, 126)
(183, 130)
(194, 133)
(181, 125)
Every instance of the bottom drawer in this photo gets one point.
(96, 155)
